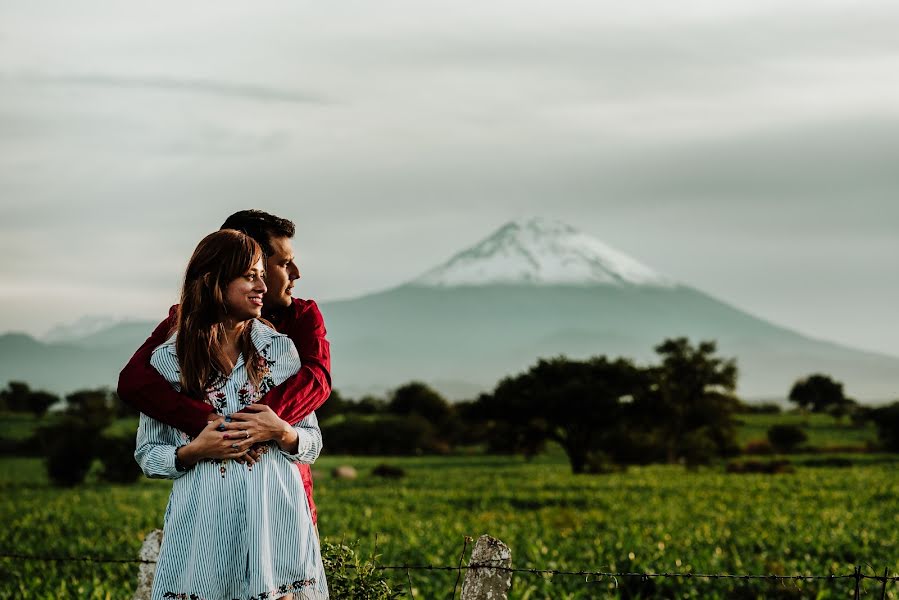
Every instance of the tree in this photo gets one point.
(419, 399)
(18, 397)
(819, 393)
(71, 444)
(15, 396)
(335, 405)
(574, 403)
(97, 407)
(691, 402)
(887, 420)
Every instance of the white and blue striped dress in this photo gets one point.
(230, 532)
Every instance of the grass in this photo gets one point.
(823, 430)
(658, 518)
(835, 511)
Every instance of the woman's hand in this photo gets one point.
(211, 443)
(258, 423)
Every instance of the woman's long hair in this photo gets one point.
(219, 258)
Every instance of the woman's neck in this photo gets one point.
(232, 331)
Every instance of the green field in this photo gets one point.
(659, 518)
(822, 430)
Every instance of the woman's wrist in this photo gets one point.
(187, 456)
(289, 439)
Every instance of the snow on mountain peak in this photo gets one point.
(539, 251)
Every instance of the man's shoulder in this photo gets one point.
(307, 311)
(301, 305)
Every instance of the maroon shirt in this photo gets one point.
(141, 386)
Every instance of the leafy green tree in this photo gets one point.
(97, 407)
(577, 404)
(417, 398)
(335, 405)
(18, 397)
(887, 420)
(691, 402)
(39, 401)
(818, 393)
(15, 396)
(71, 444)
(369, 405)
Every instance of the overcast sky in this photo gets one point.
(746, 148)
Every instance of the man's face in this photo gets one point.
(280, 273)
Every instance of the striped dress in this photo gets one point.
(232, 533)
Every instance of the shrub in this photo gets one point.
(351, 577)
(117, 455)
(69, 448)
(786, 438)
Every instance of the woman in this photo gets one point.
(232, 530)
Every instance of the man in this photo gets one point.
(141, 386)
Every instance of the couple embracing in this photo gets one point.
(227, 386)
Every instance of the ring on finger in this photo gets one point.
(247, 434)
(234, 446)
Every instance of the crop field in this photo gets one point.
(818, 520)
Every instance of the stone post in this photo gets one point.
(487, 583)
(149, 551)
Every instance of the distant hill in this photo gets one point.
(533, 289)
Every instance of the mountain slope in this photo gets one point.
(477, 334)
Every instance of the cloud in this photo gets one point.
(184, 85)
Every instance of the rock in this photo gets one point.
(344, 472)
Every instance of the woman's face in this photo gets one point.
(243, 296)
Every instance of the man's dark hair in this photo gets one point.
(261, 226)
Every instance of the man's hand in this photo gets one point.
(259, 423)
(211, 443)
(251, 457)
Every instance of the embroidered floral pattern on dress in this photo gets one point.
(284, 588)
(217, 399)
(248, 394)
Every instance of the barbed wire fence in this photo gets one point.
(490, 567)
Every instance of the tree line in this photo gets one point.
(603, 412)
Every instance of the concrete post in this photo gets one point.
(148, 551)
(487, 583)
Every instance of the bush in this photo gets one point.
(69, 448)
(351, 577)
(786, 438)
(117, 455)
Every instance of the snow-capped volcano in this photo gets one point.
(539, 251)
